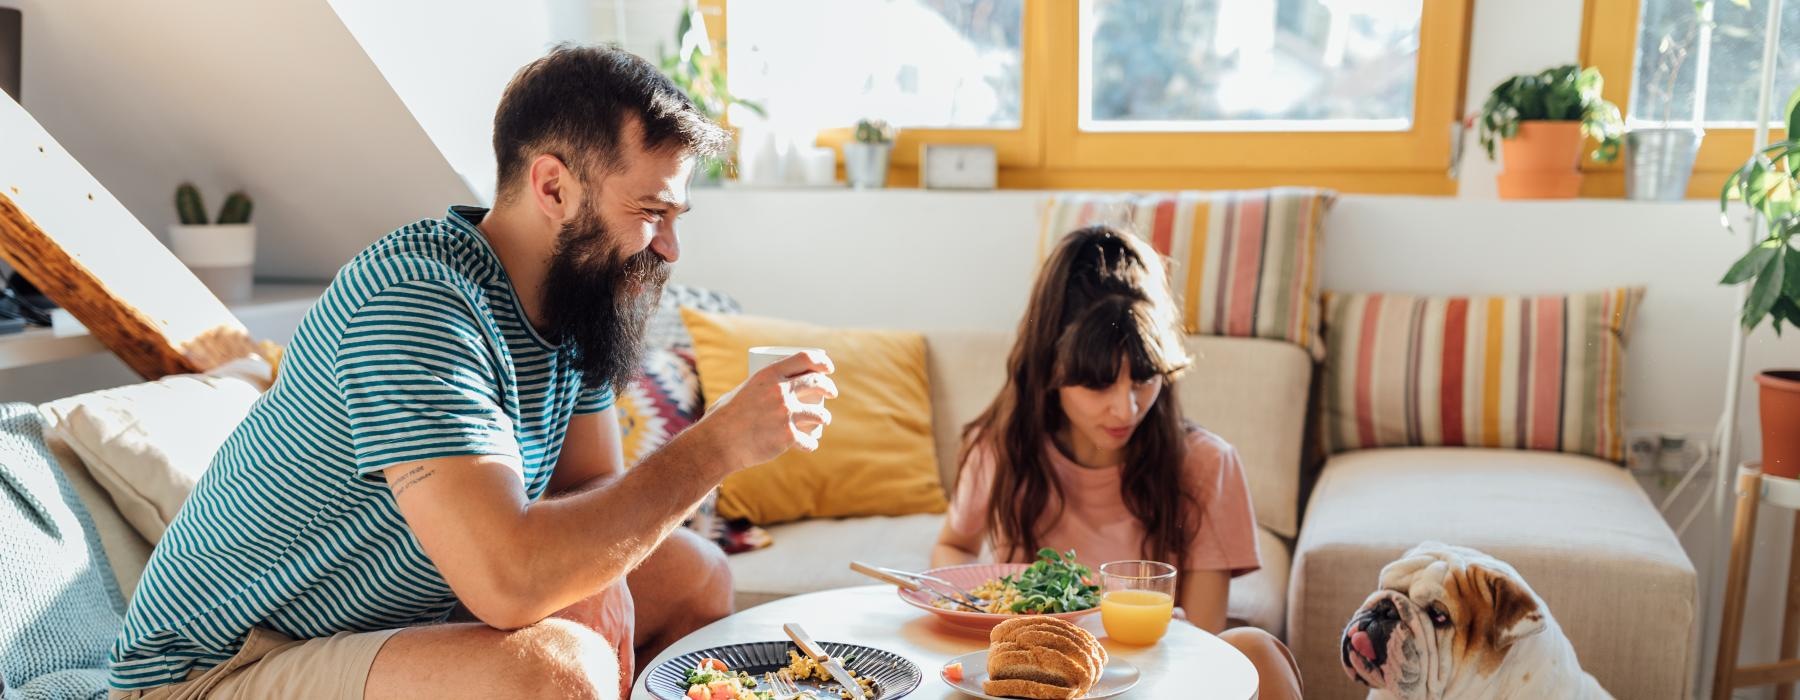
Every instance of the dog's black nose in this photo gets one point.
(1385, 611)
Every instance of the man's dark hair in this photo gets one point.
(575, 103)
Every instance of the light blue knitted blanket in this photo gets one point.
(60, 607)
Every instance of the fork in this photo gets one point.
(924, 583)
(785, 688)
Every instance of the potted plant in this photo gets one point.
(1540, 120)
(695, 70)
(1769, 183)
(1659, 157)
(866, 157)
(221, 252)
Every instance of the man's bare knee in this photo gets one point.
(559, 658)
(714, 600)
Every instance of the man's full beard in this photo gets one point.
(598, 301)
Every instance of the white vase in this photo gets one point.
(221, 255)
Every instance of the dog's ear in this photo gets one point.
(1516, 614)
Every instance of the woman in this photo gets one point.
(1085, 447)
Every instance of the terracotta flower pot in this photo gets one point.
(1779, 404)
(1542, 161)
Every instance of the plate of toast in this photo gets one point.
(1040, 658)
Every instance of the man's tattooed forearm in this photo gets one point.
(411, 477)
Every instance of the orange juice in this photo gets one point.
(1136, 617)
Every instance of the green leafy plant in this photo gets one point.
(695, 69)
(1054, 583)
(1768, 182)
(875, 131)
(1562, 94)
(190, 209)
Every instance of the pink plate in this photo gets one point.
(967, 577)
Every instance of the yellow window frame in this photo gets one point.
(1609, 42)
(1049, 151)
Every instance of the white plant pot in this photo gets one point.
(866, 164)
(222, 256)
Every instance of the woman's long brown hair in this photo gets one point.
(1103, 297)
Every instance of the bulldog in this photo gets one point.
(1450, 623)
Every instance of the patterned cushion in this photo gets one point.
(665, 399)
(1244, 263)
(665, 329)
(1522, 372)
(662, 401)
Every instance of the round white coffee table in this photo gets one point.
(1188, 663)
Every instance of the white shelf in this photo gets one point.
(280, 304)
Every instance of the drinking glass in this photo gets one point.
(1138, 600)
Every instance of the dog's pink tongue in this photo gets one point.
(1360, 641)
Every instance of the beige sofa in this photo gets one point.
(1579, 529)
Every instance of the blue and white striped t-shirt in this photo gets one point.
(418, 349)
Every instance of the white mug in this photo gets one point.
(764, 355)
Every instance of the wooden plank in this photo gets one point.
(64, 232)
(1766, 674)
(1743, 535)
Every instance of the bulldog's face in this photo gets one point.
(1441, 614)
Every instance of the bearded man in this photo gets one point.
(442, 438)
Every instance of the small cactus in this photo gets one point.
(188, 206)
(236, 209)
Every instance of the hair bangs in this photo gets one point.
(1114, 331)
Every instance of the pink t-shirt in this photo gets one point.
(1098, 526)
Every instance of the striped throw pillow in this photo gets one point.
(1244, 263)
(1521, 372)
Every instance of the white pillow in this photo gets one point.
(147, 444)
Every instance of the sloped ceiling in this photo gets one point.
(274, 97)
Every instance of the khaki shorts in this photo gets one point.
(273, 666)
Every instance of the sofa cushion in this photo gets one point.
(147, 444)
(968, 369)
(815, 555)
(876, 459)
(1580, 531)
(1249, 391)
(1253, 393)
(1259, 598)
(1246, 262)
(1522, 372)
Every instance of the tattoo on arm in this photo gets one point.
(410, 478)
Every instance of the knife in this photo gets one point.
(831, 665)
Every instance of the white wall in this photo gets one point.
(275, 98)
(449, 60)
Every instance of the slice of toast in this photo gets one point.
(1042, 665)
(1046, 638)
(1032, 690)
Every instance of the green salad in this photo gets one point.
(1055, 583)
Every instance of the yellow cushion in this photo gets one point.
(876, 458)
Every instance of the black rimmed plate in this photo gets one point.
(891, 674)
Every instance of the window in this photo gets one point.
(1653, 54)
(916, 63)
(1249, 65)
(1670, 57)
(1359, 95)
